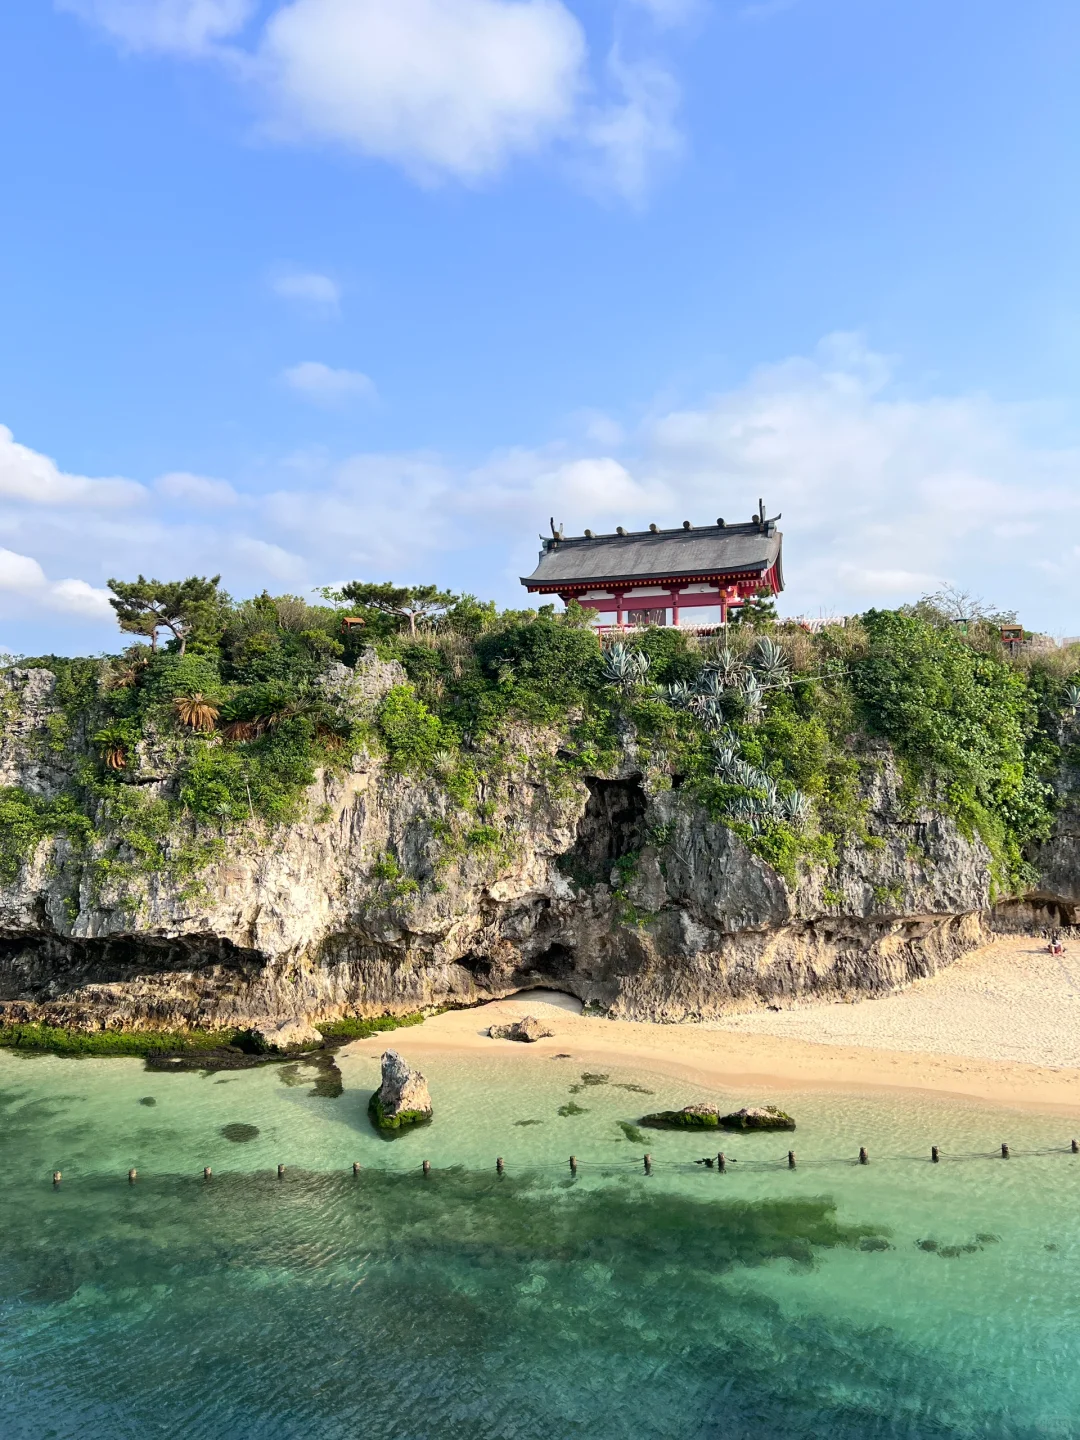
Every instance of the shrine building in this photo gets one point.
(654, 577)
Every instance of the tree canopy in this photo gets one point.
(404, 602)
(144, 607)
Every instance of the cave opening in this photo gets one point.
(612, 827)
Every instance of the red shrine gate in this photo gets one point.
(638, 578)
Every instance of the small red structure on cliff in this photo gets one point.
(641, 577)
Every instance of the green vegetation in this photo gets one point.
(773, 731)
(354, 1028)
(59, 1040)
(390, 1126)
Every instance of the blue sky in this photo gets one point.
(311, 290)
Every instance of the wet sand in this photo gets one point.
(1001, 1025)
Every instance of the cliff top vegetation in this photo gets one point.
(219, 717)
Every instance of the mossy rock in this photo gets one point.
(391, 1126)
(708, 1117)
(691, 1117)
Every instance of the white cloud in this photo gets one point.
(27, 475)
(627, 137)
(885, 494)
(316, 292)
(442, 86)
(272, 560)
(23, 576)
(184, 26)
(326, 386)
(197, 490)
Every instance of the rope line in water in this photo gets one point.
(648, 1164)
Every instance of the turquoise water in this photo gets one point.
(899, 1299)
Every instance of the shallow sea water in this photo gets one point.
(757, 1303)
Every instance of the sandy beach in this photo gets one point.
(1001, 1025)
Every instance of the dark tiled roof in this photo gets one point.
(664, 554)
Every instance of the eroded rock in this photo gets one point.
(402, 1100)
(529, 1029)
(757, 1117)
(294, 1034)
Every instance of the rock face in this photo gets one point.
(615, 888)
(528, 1029)
(402, 1100)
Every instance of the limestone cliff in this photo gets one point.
(614, 887)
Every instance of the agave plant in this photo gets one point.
(725, 757)
(196, 711)
(770, 663)
(1071, 700)
(794, 808)
(710, 683)
(728, 667)
(624, 667)
(754, 694)
(678, 695)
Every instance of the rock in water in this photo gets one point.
(708, 1117)
(758, 1117)
(528, 1029)
(691, 1117)
(402, 1099)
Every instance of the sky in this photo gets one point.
(305, 291)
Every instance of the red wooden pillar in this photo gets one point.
(619, 608)
(674, 607)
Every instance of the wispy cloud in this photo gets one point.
(324, 385)
(309, 289)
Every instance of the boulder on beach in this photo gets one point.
(402, 1100)
(527, 1029)
(708, 1117)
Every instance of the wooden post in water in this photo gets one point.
(133, 1175)
(935, 1154)
(864, 1159)
(57, 1176)
(573, 1164)
(281, 1172)
(1075, 1147)
(721, 1162)
(207, 1172)
(498, 1164)
(648, 1164)
(1004, 1151)
(791, 1159)
(356, 1167)
(427, 1168)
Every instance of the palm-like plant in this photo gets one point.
(112, 742)
(196, 711)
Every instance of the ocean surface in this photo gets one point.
(896, 1299)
